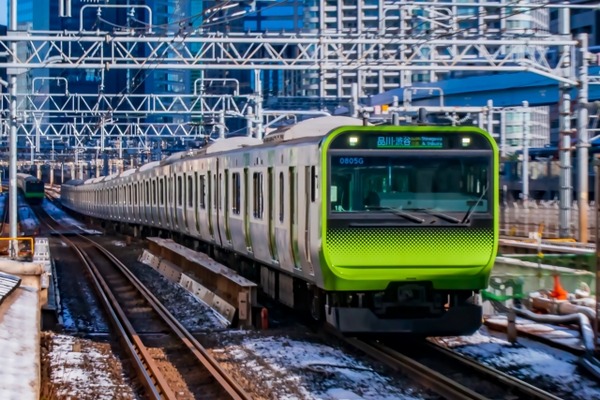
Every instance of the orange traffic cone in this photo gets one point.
(558, 292)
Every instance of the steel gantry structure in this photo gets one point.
(409, 37)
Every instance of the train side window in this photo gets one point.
(161, 191)
(190, 191)
(235, 190)
(135, 195)
(313, 184)
(154, 192)
(202, 192)
(281, 197)
(179, 191)
(258, 200)
(216, 190)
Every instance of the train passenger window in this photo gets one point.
(281, 197)
(147, 193)
(179, 191)
(162, 191)
(154, 192)
(202, 192)
(258, 200)
(190, 191)
(135, 195)
(235, 190)
(168, 190)
(216, 188)
(313, 184)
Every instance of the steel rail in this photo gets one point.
(151, 378)
(225, 380)
(529, 390)
(428, 377)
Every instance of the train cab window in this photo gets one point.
(202, 192)
(258, 200)
(447, 183)
(190, 191)
(235, 191)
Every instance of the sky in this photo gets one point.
(3, 11)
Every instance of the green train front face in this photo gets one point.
(409, 207)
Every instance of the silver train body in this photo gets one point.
(282, 232)
(271, 209)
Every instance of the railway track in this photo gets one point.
(169, 362)
(449, 374)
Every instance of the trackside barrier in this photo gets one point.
(213, 283)
(21, 252)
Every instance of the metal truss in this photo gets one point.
(439, 36)
(335, 52)
(130, 105)
(114, 130)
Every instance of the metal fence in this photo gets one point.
(518, 219)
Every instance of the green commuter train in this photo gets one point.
(31, 188)
(373, 229)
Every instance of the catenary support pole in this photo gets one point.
(12, 176)
(583, 142)
(525, 163)
(566, 193)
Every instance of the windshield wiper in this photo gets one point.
(473, 206)
(397, 212)
(438, 214)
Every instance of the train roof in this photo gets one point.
(26, 177)
(309, 128)
(75, 182)
(313, 127)
(232, 143)
(150, 165)
(128, 172)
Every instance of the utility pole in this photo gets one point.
(582, 137)
(12, 176)
(566, 189)
(525, 163)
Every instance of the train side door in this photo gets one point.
(283, 235)
(210, 204)
(271, 214)
(216, 203)
(293, 227)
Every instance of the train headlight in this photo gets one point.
(466, 141)
(353, 140)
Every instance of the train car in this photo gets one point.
(31, 188)
(374, 229)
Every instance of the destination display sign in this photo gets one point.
(409, 142)
(389, 140)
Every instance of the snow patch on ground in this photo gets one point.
(83, 369)
(299, 369)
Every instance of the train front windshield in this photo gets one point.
(448, 182)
